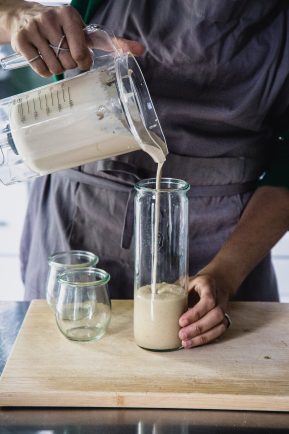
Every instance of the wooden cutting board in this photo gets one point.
(247, 369)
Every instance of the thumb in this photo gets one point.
(202, 284)
(134, 47)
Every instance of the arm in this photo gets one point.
(264, 221)
(9, 9)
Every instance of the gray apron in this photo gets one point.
(210, 80)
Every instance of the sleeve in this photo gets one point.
(86, 8)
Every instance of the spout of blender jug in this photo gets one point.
(101, 41)
(139, 109)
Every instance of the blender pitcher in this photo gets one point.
(104, 112)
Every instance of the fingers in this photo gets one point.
(31, 52)
(47, 53)
(73, 30)
(64, 56)
(205, 338)
(205, 321)
(208, 328)
(205, 288)
(41, 29)
(54, 35)
(46, 27)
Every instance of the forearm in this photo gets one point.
(264, 221)
(10, 12)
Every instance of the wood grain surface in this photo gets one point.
(247, 369)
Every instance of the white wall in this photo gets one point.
(13, 201)
(281, 264)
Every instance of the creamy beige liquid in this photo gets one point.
(156, 227)
(156, 324)
(69, 123)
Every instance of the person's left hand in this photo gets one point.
(206, 320)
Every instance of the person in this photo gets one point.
(218, 73)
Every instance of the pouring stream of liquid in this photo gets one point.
(156, 228)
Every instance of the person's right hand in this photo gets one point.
(34, 27)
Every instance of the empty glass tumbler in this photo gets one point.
(161, 263)
(61, 261)
(83, 307)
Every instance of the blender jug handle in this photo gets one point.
(98, 38)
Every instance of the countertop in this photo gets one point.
(120, 421)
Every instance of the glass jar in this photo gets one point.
(83, 307)
(61, 261)
(161, 269)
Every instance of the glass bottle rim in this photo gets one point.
(55, 259)
(176, 185)
(102, 277)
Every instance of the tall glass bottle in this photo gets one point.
(161, 266)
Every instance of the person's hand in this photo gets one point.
(206, 320)
(35, 27)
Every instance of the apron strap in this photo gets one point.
(128, 224)
(120, 173)
(221, 190)
(110, 175)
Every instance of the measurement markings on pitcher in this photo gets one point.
(59, 106)
(47, 106)
(21, 112)
(51, 96)
(39, 99)
(35, 111)
(69, 97)
(63, 93)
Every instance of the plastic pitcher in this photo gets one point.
(98, 114)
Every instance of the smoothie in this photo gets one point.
(156, 316)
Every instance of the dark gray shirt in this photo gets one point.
(218, 73)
